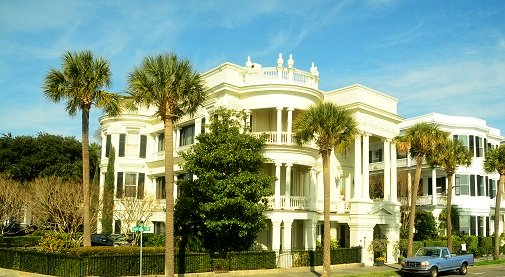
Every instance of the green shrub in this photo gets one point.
(22, 241)
(435, 243)
(154, 240)
(57, 242)
(252, 260)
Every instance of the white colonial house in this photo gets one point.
(474, 191)
(274, 96)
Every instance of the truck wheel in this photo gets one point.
(433, 272)
(463, 269)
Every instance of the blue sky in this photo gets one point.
(433, 56)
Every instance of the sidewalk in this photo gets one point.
(336, 270)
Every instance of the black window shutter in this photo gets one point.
(140, 187)
(119, 185)
(430, 188)
(107, 145)
(143, 146)
(472, 145)
(472, 185)
(122, 145)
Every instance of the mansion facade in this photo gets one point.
(364, 194)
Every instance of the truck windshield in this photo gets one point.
(428, 252)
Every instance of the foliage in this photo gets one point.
(173, 88)
(20, 241)
(378, 246)
(420, 141)
(55, 204)
(426, 226)
(315, 258)
(108, 194)
(229, 194)
(11, 203)
(331, 127)
(57, 242)
(334, 244)
(81, 82)
(495, 161)
(24, 158)
(442, 219)
(132, 212)
(154, 240)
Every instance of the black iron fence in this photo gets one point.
(128, 264)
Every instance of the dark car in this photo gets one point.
(101, 240)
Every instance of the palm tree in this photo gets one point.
(449, 155)
(495, 161)
(174, 89)
(81, 82)
(332, 127)
(419, 140)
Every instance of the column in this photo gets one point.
(409, 187)
(357, 168)
(288, 186)
(361, 234)
(309, 226)
(286, 244)
(394, 177)
(198, 126)
(393, 234)
(177, 136)
(276, 235)
(248, 120)
(387, 170)
(290, 124)
(279, 125)
(434, 186)
(366, 170)
(306, 184)
(277, 190)
(347, 187)
(313, 188)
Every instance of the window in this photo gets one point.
(143, 146)
(187, 134)
(463, 139)
(472, 185)
(133, 185)
(122, 145)
(117, 226)
(159, 227)
(161, 142)
(185, 176)
(202, 128)
(376, 156)
(160, 188)
(473, 227)
(108, 145)
(464, 224)
(462, 184)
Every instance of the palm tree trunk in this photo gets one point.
(499, 191)
(327, 238)
(169, 198)
(449, 211)
(413, 200)
(85, 177)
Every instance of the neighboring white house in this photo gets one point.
(474, 190)
(274, 96)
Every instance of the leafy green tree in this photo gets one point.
(108, 194)
(170, 85)
(442, 219)
(332, 127)
(426, 226)
(229, 195)
(24, 158)
(449, 155)
(419, 140)
(495, 162)
(81, 82)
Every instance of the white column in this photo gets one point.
(347, 187)
(309, 226)
(198, 126)
(288, 185)
(357, 168)
(290, 124)
(387, 170)
(313, 188)
(286, 244)
(366, 170)
(277, 189)
(306, 184)
(434, 186)
(279, 125)
(248, 120)
(177, 136)
(394, 177)
(409, 187)
(276, 235)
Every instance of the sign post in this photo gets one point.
(141, 228)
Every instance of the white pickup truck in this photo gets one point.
(432, 260)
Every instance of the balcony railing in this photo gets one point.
(289, 203)
(281, 75)
(285, 138)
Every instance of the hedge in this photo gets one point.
(20, 241)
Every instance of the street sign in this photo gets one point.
(141, 228)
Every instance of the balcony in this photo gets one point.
(281, 75)
(289, 203)
(285, 139)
